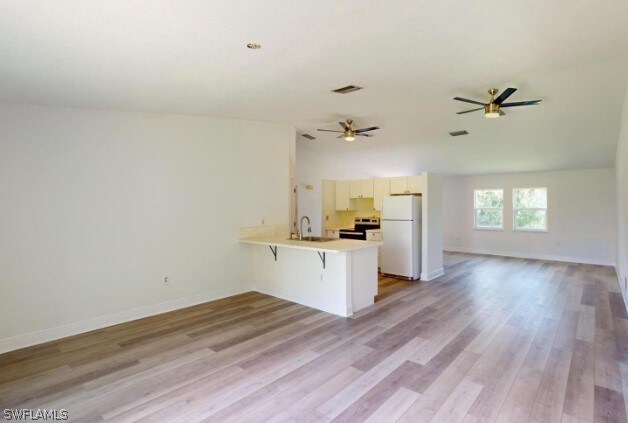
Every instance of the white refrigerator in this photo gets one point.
(401, 236)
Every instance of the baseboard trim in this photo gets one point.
(433, 274)
(624, 294)
(517, 254)
(52, 334)
(308, 302)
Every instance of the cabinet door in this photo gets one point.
(373, 236)
(381, 188)
(399, 185)
(332, 233)
(342, 195)
(361, 188)
(355, 189)
(415, 184)
(366, 188)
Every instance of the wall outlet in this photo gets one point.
(263, 220)
(166, 280)
(321, 277)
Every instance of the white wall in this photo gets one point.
(621, 168)
(432, 227)
(581, 216)
(97, 207)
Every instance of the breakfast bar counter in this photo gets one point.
(337, 276)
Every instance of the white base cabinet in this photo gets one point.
(376, 235)
(332, 233)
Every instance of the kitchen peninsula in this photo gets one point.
(338, 276)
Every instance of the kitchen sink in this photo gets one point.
(313, 239)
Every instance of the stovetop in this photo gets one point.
(364, 223)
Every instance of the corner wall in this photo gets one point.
(621, 169)
(582, 219)
(98, 207)
(432, 227)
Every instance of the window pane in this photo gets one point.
(488, 218)
(531, 219)
(489, 198)
(533, 198)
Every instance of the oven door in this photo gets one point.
(352, 235)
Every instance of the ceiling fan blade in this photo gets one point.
(340, 136)
(372, 128)
(344, 125)
(466, 100)
(503, 96)
(329, 130)
(469, 111)
(522, 103)
(501, 112)
(363, 135)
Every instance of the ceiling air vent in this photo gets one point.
(308, 136)
(346, 90)
(458, 133)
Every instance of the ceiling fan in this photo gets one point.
(349, 133)
(492, 109)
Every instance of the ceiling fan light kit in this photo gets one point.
(493, 109)
(348, 133)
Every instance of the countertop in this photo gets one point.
(335, 246)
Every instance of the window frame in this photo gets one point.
(475, 209)
(515, 209)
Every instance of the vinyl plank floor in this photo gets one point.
(494, 339)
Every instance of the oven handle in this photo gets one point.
(351, 233)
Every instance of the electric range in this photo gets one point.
(362, 224)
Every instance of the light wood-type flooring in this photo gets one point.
(495, 339)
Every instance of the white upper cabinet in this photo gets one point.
(399, 185)
(415, 184)
(381, 188)
(406, 185)
(361, 188)
(343, 199)
(377, 189)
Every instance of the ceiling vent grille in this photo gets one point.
(346, 90)
(308, 136)
(458, 133)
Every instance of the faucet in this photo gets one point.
(300, 231)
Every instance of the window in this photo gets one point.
(489, 208)
(529, 207)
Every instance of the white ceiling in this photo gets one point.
(412, 57)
